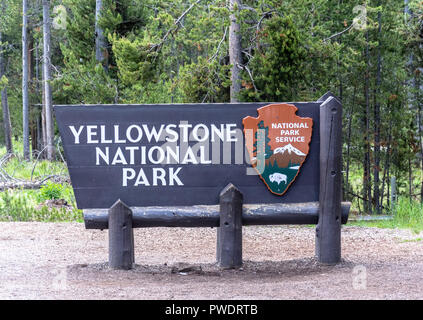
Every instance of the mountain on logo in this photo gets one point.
(290, 150)
(286, 156)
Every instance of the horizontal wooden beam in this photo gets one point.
(208, 216)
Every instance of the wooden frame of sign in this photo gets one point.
(207, 165)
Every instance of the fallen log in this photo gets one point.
(19, 185)
(26, 184)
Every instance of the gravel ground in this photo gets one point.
(65, 261)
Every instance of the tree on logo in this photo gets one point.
(259, 141)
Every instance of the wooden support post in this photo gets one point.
(121, 237)
(328, 231)
(393, 193)
(229, 234)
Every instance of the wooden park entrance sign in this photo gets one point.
(207, 165)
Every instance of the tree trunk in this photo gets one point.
(419, 126)
(100, 42)
(347, 170)
(410, 179)
(39, 94)
(235, 58)
(47, 78)
(25, 98)
(43, 122)
(407, 12)
(32, 90)
(366, 124)
(417, 89)
(376, 168)
(387, 163)
(4, 103)
(43, 104)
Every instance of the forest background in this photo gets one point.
(368, 53)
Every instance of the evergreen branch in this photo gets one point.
(218, 47)
(177, 24)
(245, 67)
(244, 7)
(339, 33)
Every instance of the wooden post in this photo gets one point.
(393, 193)
(121, 237)
(229, 234)
(328, 231)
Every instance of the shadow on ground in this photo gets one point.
(250, 269)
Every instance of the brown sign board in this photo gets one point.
(169, 165)
(183, 155)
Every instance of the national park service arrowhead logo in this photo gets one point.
(278, 144)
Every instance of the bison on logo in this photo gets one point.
(278, 143)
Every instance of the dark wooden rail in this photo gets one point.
(209, 216)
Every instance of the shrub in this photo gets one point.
(50, 191)
(21, 205)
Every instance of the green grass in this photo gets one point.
(21, 205)
(20, 169)
(406, 215)
(24, 204)
(412, 240)
(356, 185)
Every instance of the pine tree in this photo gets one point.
(267, 149)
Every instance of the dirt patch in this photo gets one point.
(65, 261)
(56, 204)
